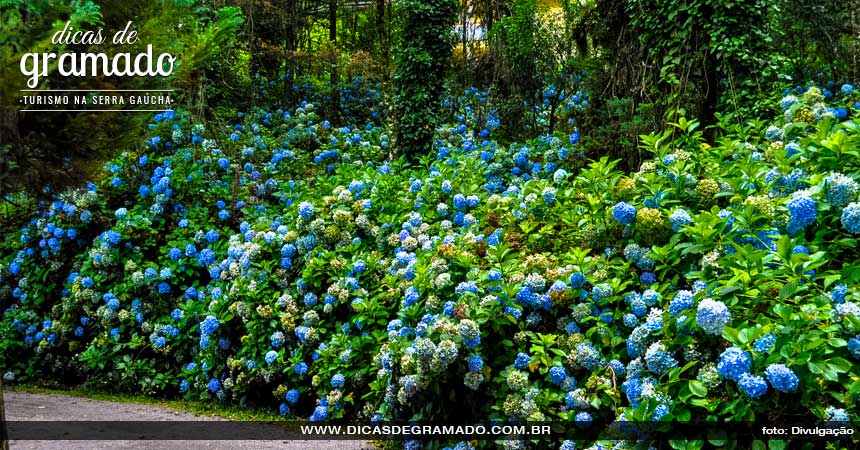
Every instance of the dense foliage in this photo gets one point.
(284, 262)
(647, 59)
(637, 213)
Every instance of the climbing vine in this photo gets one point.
(422, 62)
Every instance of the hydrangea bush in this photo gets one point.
(287, 262)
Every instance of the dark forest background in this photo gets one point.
(645, 62)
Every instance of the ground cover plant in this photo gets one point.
(286, 262)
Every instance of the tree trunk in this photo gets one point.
(709, 106)
(711, 84)
(332, 37)
(381, 37)
(464, 24)
(855, 49)
(332, 21)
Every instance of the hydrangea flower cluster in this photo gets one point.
(297, 260)
(712, 316)
(624, 213)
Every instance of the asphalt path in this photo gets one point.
(44, 408)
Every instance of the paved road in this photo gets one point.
(43, 407)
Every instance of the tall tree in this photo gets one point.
(381, 32)
(422, 62)
(696, 43)
(332, 37)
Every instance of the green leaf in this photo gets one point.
(788, 290)
(746, 335)
(698, 388)
(839, 364)
(776, 445)
(731, 335)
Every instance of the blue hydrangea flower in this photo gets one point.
(838, 293)
(624, 213)
(841, 190)
(659, 412)
(781, 377)
(557, 375)
(601, 292)
(310, 299)
(774, 133)
(630, 320)
(292, 396)
(214, 385)
(802, 209)
(733, 363)
(851, 218)
(679, 219)
(658, 360)
(549, 196)
(582, 419)
(854, 346)
(788, 101)
(647, 278)
(577, 280)
(522, 361)
(683, 301)
(320, 413)
(617, 367)
(475, 363)
(753, 386)
(209, 325)
(575, 400)
(650, 297)
(306, 210)
(460, 202)
(473, 201)
(301, 368)
(337, 381)
(764, 343)
(113, 303)
(159, 342)
(712, 316)
(410, 297)
(836, 414)
(277, 339)
(150, 273)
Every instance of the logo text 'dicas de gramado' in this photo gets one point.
(36, 65)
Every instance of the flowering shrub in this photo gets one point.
(285, 262)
